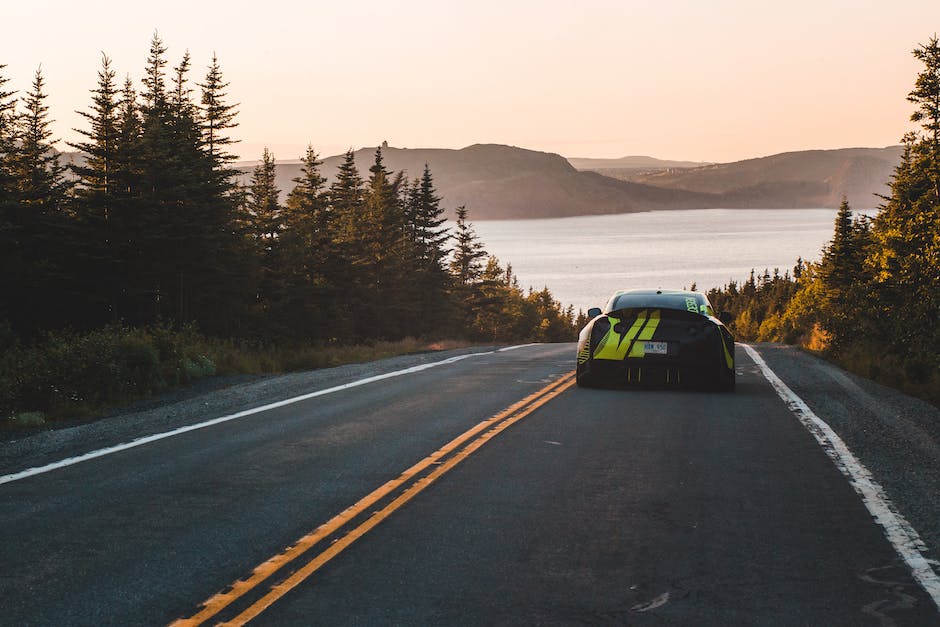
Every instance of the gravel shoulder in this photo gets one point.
(897, 437)
(204, 400)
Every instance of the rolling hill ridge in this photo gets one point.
(505, 182)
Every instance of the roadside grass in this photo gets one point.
(916, 375)
(913, 376)
(77, 375)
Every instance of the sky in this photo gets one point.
(702, 80)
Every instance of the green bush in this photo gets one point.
(71, 374)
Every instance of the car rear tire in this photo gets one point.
(726, 382)
(582, 379)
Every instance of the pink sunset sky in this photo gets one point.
(707, 81)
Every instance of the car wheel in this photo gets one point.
(726, 382)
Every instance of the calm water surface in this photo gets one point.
(583, 260)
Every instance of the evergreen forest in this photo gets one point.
(146, 263)
(872, 303)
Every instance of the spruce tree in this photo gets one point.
(127, 218)
(11, 260)
(225, 259)
(429, 238)
(465, 265)
(312, 265)
(98, 257)
(156, 230)
(8, 143)
(42, 219)
(346, 197)
(427, 216)
(841, 272)
(926, 95)
(185, 209)
(265, 227)
(217, 116)
(905, 257)
(264, 205)
(101, 139)
(383, 253)
(40, 176)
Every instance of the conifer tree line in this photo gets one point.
(873, 300)
(153, 226)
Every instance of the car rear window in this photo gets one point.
(696, 303)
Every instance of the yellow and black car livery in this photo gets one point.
(659, 337)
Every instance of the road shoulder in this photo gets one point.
(192, 405)
(897, 437)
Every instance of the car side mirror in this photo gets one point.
(594, 312)
(726, 318)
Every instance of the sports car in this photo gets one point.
(658, 337)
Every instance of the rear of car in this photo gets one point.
(655, 337)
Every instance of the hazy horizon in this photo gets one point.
(299, 159)
(715, 82)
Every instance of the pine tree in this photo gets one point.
(265, 227)
(465, 266)
(154, 93)
(905, 256)
(128, 226)
(42, 220)
(313, 266)
(426, 216)
(97, 258)
(346, 197)
(185, 208)
(263, 204)
(11, 260)
(8, 128)
(926, 95)
(217, 116)
(307, 198)
(841, 272)
(40, 176)
(225, 260)
(97, 187)
(126, 160)
(429, 238)
(155, 211)
(383, 252)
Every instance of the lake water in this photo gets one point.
(584, 260)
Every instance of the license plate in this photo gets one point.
(655, 348)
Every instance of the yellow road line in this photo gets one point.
(497, 423)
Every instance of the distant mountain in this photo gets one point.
(808, 178)
(631, 163)
(505, 182)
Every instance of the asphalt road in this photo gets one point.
(574, 507)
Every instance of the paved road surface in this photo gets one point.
(587, 507)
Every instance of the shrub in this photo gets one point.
(67, 373)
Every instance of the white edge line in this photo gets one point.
(902, 536)
(71, 461)
(512, 348)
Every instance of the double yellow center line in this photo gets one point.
(407, 485)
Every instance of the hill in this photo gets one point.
(808, 178)
(505, 182)
(631, 163)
